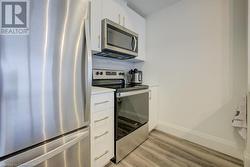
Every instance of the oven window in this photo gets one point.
(131, 113)
(119, 39)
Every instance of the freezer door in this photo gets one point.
(45, 76)
(69, 151)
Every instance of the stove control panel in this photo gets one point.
(108, 74)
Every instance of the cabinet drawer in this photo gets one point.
(102, 102)
(101, 133)
(103, 120)
(102, 159)
(103, 150)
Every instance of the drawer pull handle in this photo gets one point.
(103, 102)
(96, 137)
(99, 120)
(106, 152)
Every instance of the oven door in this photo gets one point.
(118, 39)
(131, 111)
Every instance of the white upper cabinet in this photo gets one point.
(113, 10)
(96, 17)
(126, 20)
(137, 24)
(118, 12)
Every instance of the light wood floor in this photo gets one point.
(162, 150)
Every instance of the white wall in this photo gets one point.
(247, 153)
(196, 51)
(248, 46)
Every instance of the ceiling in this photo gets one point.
(147, 7)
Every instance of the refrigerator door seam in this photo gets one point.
(58, 150)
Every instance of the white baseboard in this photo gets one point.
(212, 142)
(247, 160)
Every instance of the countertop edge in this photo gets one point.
(99, 90)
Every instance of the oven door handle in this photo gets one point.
(131, 93)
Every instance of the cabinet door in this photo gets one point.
(153, 107)
(142, 39)
(137, 23)
(96, 17)
(126, 21)
(130, 19)
(112, 10)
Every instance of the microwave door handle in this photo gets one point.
(135, 43)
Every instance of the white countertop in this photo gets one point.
(153, 84)
(99, 90)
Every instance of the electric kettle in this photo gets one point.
(136, 76)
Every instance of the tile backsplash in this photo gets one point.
(114, 64)
(108, 63)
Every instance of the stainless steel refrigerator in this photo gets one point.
(45, 80)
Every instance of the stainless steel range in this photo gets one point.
(131, 110)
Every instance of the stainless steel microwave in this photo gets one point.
(118, 41)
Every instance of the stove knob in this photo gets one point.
(97, 73)
(101, 73)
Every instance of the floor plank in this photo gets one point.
(163, 150)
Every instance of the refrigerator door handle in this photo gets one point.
(88, 71)
(58, 150)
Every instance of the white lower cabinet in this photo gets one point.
(153, 107)
(102, 129)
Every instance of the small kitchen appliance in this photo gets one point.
(131, 110)
(135, 76)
